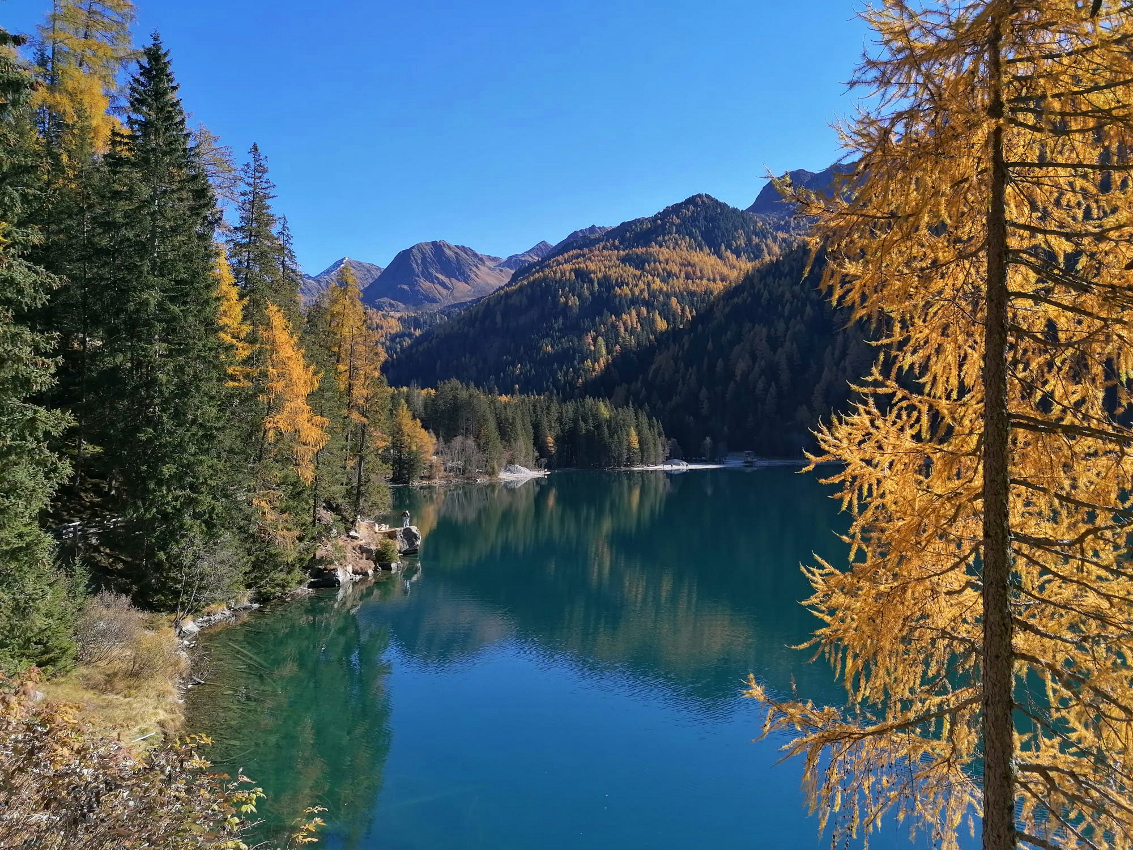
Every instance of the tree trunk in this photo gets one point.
(998, 678)
(359, 469)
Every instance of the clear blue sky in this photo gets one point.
(498, 123)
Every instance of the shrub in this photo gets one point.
(122, 654)
(153, 656)
(66, 788)
(107, 626)
(386, 551)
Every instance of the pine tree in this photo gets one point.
(982, 623)
(35, 612)
(161, 356)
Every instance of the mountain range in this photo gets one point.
(427, 276)
(436, 275)
(703, 315)
(560, 320)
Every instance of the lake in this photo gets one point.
(561, 670)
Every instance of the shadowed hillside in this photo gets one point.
(755, 369)
(562, 320)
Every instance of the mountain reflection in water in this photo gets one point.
(562, 670)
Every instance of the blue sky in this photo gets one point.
(499, 123)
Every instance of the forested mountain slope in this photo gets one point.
(559, 323)
(755, 369)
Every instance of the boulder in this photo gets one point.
(408, 540)
(335, 576)
(187, 628)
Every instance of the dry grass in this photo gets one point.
(128, 689)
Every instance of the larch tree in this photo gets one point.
(343, 340)
(234, 330)
(409, 446)
(358, 364)
(83, 47)
(984, 622)
(292, 436)
(290, 380)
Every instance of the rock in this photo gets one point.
(353, 534)
(394, 566)
(366, 552)
(187, 628)
(408, 540)
(363, 569)
(335, 576)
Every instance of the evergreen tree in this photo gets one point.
(410, 446)
(161, 360)
(35, 614)
(256, 255)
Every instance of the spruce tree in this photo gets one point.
(163, 358)
(35, 613)
(259, 260)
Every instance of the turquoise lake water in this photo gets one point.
(561, 669)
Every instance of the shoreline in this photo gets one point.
(168, 718)
(684, 466)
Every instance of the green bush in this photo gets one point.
(386, 553)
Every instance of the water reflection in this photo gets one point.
(296, 697)
(692, 580)
(581, 632)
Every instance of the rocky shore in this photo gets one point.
(367, 548)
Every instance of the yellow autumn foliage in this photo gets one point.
(1048, 86)
(290, 380)
(234, 331)
(86, 42)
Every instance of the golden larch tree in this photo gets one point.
(409, 447)
(290, 380)
(984, 622)
(234, 331)
(356, 338)
(85, 44)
